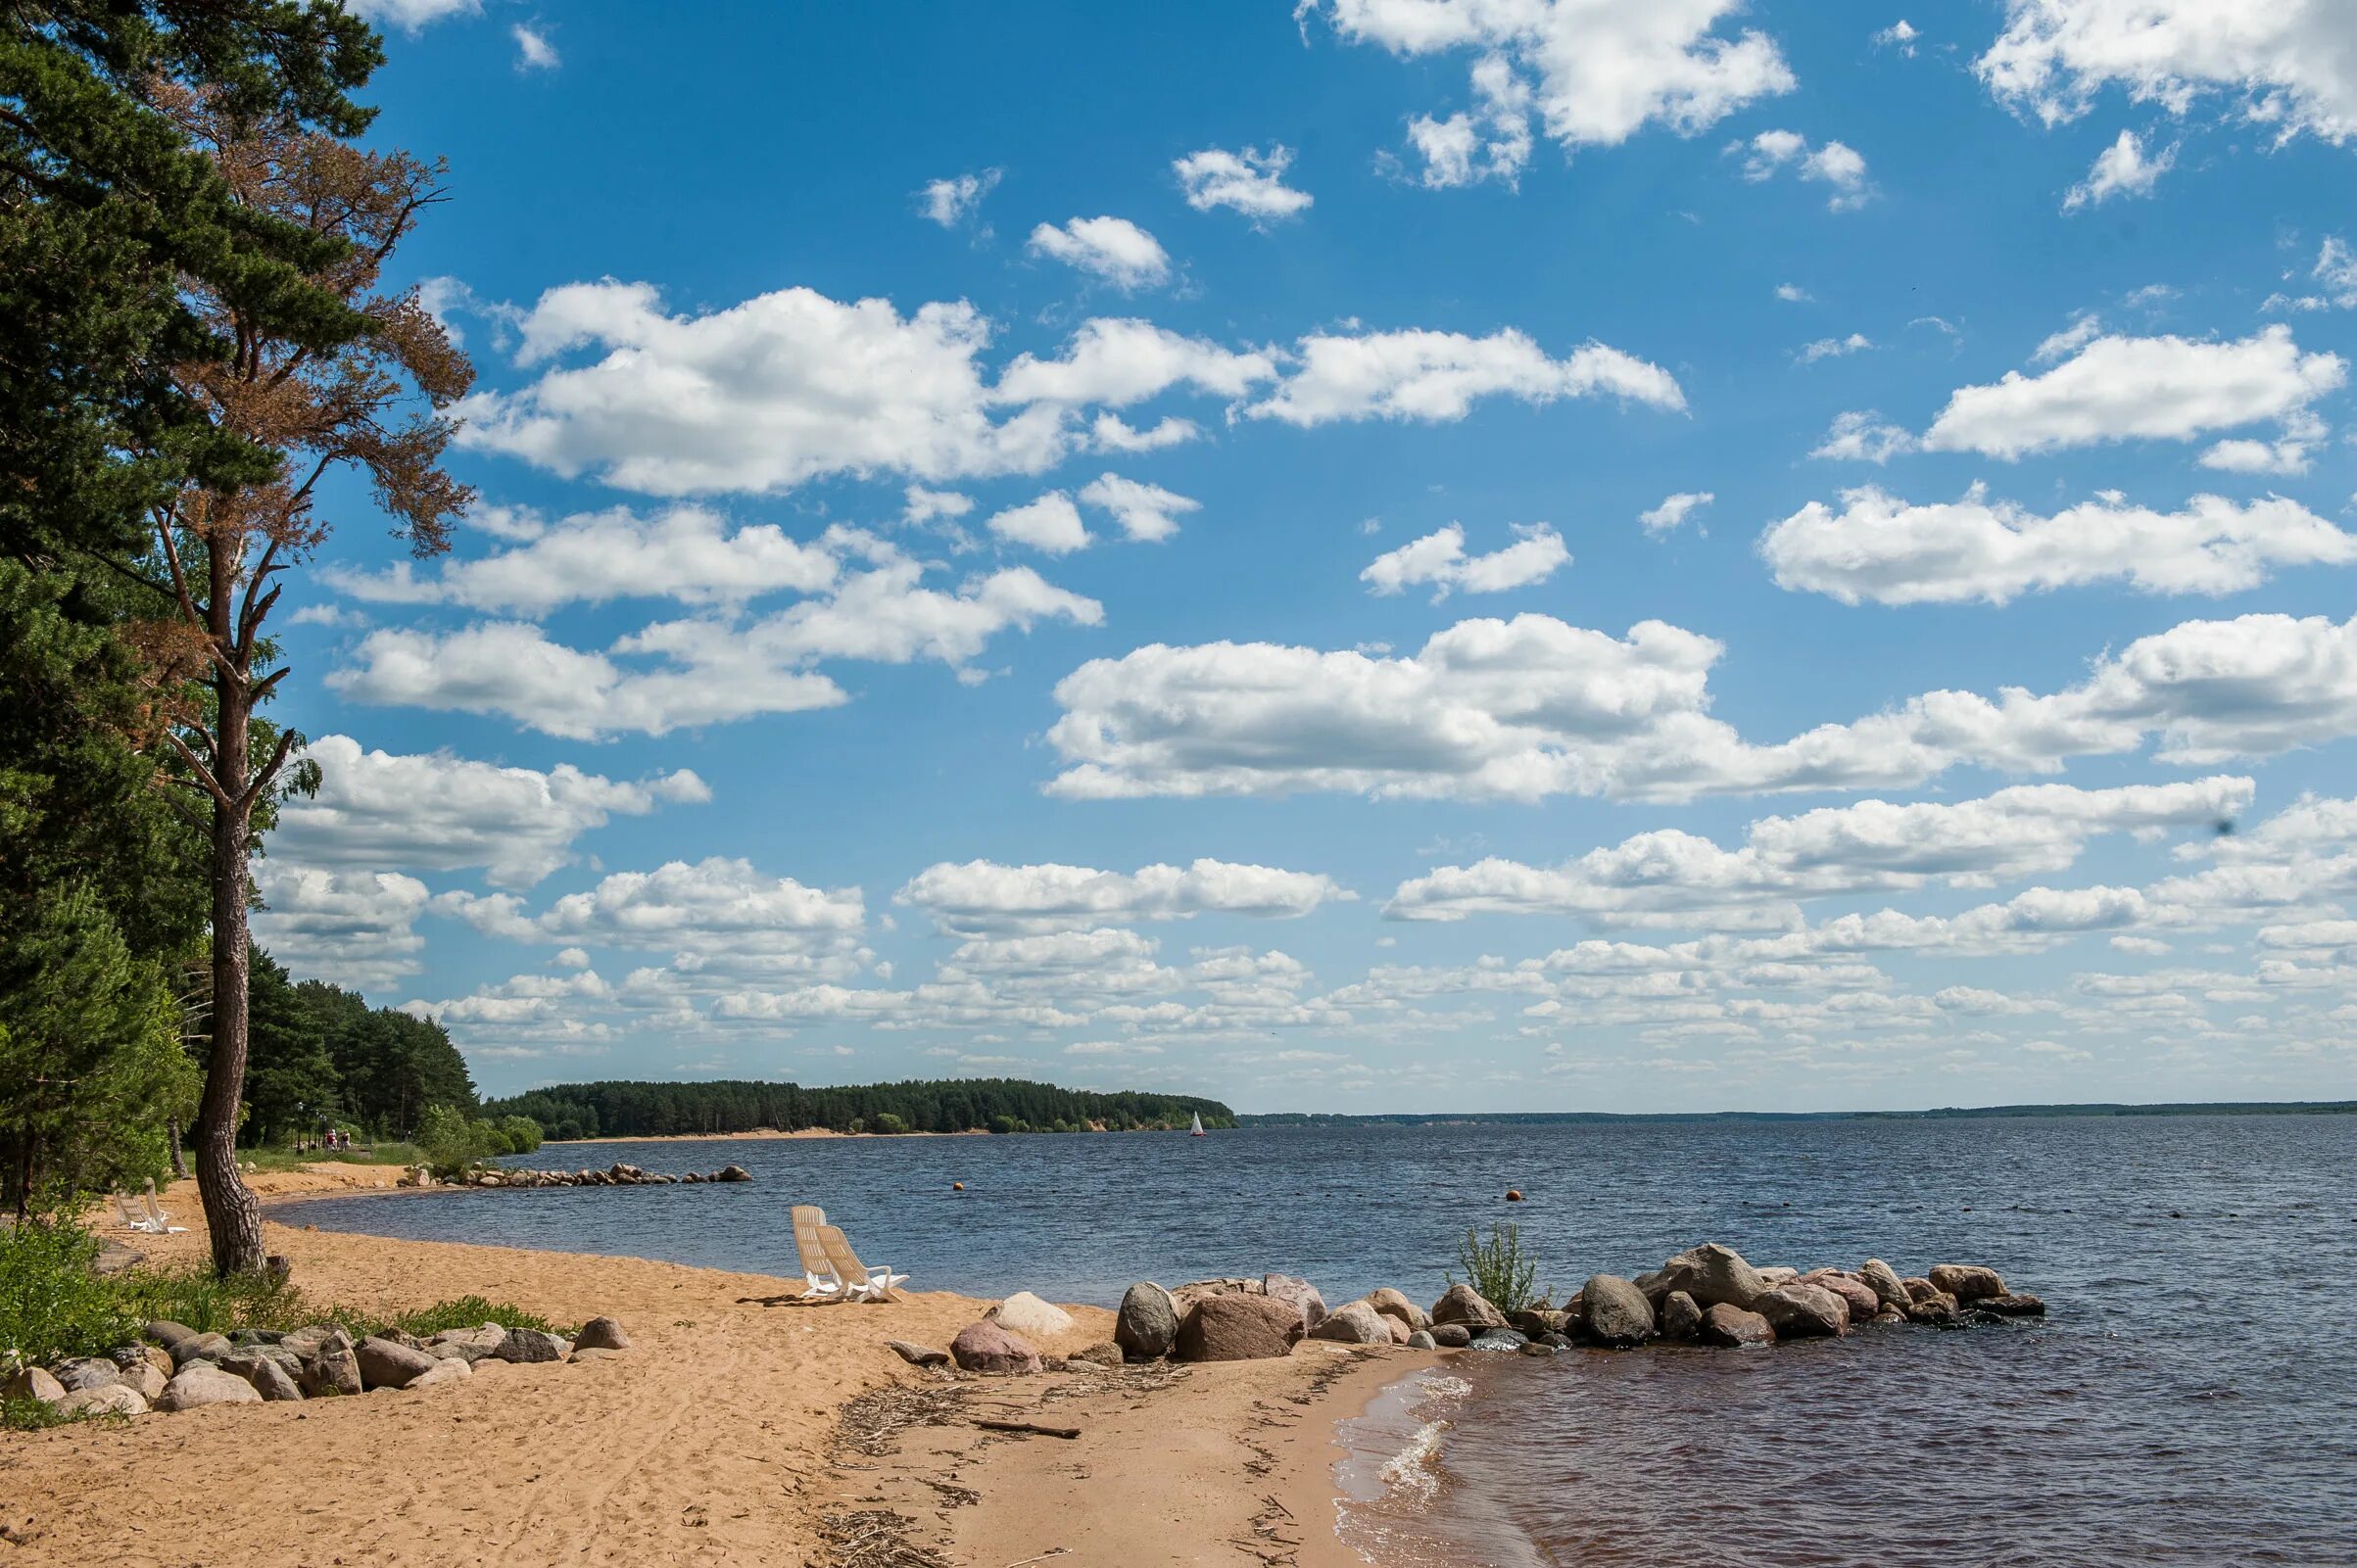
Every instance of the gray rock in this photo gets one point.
(1553, 1342)
(111, 1398)
(1499, 1339)
(468, 1344)
(86, 1373)
(145, 1381)
(1772, 1277)
(387, 1365)
(2017, 1304)
(1535, 1321)
(1450, 1336)
(1301, 1294)
(1681, 1317)
(201, 1383)
(1462, 1304)
(1710, 1274)
(1804, 1311)
(1355, 1323)
(33, 1383)
(165, 1332)
(1147, 1326)
(1616, 1312)
(985, 1346)
(244, 1337)
(913, 1355)
(602, 1334)
(267, 1372)
(441, 1372)
(531, 1344)
(1423, 1339)
(1732, 1327)
(199, 1347)
(127, 1357)
(1030, 1316)
(1883, 1280)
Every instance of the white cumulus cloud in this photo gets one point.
(2121, 169)
(1674, 510)
(1250, 181)
(1438, 559)
(985, 896)
(1112, 249)
(1146, 512)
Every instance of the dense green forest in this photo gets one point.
(622, 1110)
(323, 1057)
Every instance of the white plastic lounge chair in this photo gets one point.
(862, 1283)
(159, 1223)
(130, 1216)
(819, 1277)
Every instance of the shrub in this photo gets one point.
(450, 1140)
(886, 1122)
(51, 1302)
(211, 1304)
(522, 1134)
(466, 1312)
(1498, 1267)
(30, 1415)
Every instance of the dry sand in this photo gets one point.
(715, 1440)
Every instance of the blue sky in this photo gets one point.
(1406, 555)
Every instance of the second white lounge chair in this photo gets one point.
(861, 1283)
(159, 1223)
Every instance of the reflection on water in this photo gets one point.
(2194, 1399)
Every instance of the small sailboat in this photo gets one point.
(1196, 1131)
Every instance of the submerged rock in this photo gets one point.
(987, 1347)
(1238, 1328)
(2016, 1303)
(1147, 1326)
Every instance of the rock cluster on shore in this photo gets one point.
(174, 1367)
(1707, 1296)
(617, 1174)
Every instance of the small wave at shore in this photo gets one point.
(1398, 1492)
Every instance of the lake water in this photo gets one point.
(2192, 1399)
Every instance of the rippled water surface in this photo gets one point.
(2192, 1399)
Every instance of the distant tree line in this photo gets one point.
(629, 1110)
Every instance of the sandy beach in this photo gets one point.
(720, 1438)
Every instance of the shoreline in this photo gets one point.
(716, 1440)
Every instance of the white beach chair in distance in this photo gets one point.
(861, 1283)
(818, 1270)
(159, 1223)
(131, 1217)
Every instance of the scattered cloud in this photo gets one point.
(1834, 347)
(1432, 376)
(1794, 293)
(1493, 142)
(1250, 181)
(2120, 170)
(1146, 512)
(1051, 524)
(1835, 164)
(1880, 548)
(533, 50)
(1439, 560)
(1111, 249)
(1674, 510)
(1863, 436)
(1899, 35)
(951, 202)
(984, 897)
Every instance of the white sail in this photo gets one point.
(1198, 1130)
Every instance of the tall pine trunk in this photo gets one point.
(232, 1216)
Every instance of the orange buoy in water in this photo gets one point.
(1513, 1195)
(958, 1186)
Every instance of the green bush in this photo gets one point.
(30, 1415)
(886, 1122)
(211, 1304)
(522, 1134)
(1498, 1267)
(450, 1140)
(51, 1303)
(466, 1312)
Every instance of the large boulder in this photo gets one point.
(127, 1357)
(1535, 1320)
(1800, 1312)
(1238, 1328)
(528, 1345)
(1355, 1323)
(385, 1365)
(987, 1347)
(165, 1332)
(1728, 1325)
(1423, 1339)
(1862, 1302)
(1681, 1319)
(1462, 1304)
(731, 1173)
(1147, 1326)
(86, 1373)
(33, 1383)
(1712, 1274)
(267, 1372)
(1449, 1336)
(108, 1398)
(1197, 1290)
(468, 1344)
(145, 1381)
(1883, 1280)
(1301, 1293)
(442, 1371)
(1028, 1315)
(1399, 1332)
(600, 1334)
(201, 1383)
(1616, 1312)
(1967, 1282)
(199, 1347)
(1395, 1304)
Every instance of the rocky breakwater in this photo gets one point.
(617, 1174)
(174, 1367)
